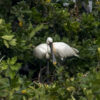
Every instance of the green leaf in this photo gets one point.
(8, 37)
(4, 84)
(13, 60)
(4, 65)
(8, 61)
(15, 67)
(35, 30)
(73, 97)
(11, 74)
(4, 93)
(6, 43)
(13, 42)
(1, 21)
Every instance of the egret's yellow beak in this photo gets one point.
(53, 56)
(54, 63)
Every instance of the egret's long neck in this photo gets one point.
(48, 49)
(52, 54)
(51, 47)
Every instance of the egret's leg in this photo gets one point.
(48, 71)
(39, 76)
(40, 73)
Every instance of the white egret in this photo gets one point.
(59, 49)
(51, 49)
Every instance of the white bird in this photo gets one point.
(51, 49)
(59, 49)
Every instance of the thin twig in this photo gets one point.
(2, 58)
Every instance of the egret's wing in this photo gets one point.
(63, 50)
(41, 50)
(75, 50)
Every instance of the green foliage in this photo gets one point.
(6, 35)
(38, 28)
(27, 23)
(9, 68)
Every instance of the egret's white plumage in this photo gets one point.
(60, 49)
(42, 50)
(63, 50)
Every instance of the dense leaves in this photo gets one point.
(27, 23)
